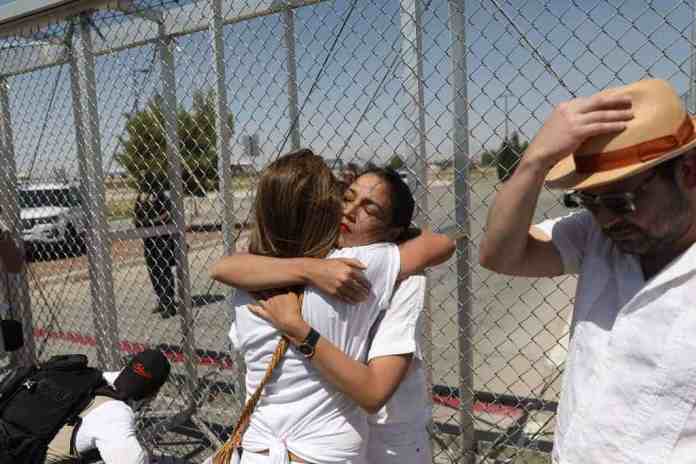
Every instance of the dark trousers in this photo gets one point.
(159, 257)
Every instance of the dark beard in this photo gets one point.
(640, 242)
(676, 219)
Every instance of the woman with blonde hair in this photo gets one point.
(390, 382)
(294, 415)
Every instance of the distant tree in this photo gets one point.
(488, 158)
(144, 148)
(509, 155)
(396, 162)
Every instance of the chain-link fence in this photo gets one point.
(133, 132)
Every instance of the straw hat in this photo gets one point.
(660, 130)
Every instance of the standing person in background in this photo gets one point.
(629, 155)
(11, 262)
(11, 257)
(153, 208)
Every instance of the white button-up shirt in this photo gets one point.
(629, 388)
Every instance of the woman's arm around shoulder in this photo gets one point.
(340, 277)
(254, 272)
(426, 250)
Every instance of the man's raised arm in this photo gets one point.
(511, 245)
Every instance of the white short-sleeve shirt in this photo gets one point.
(110, 428)
(299, 411)
(399, 332)
(629, 387)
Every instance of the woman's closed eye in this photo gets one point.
(373, 210)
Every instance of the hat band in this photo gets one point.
(635, 154)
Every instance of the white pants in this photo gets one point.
(398, 444)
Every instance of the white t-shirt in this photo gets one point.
(399, 332)
(629, 387)
(299, 411)
(110, 428)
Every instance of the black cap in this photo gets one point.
(143, 376)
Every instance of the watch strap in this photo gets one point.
(309, 344)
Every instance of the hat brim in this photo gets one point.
(563, 175)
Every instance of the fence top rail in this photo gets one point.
(122, 35)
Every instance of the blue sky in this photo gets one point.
(589, 44)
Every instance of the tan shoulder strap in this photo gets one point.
(63, 444)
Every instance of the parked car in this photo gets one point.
(53, 218)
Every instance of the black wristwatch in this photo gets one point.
(309, 344)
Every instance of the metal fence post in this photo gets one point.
(84, 96)
(224, 135)
(294, 112)
(415, 138)
(223, 130)
(414, 104)
(460, 151)
(19, 296)
(165, 46)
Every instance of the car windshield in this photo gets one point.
(48, 197)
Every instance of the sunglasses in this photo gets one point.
(619, 204)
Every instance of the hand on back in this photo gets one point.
(342, 278)
(284, 313)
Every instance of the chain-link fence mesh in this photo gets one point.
(133, 133)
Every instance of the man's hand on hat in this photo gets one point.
(573, 121)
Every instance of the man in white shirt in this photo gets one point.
(629, 156)
(108, 427)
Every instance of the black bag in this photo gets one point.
(37, 401)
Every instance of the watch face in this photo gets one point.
(305, 349)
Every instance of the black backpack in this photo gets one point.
(37, 401)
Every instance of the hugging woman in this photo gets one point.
(301, 415)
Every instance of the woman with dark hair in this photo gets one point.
(377, 207)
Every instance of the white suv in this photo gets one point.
(52, 214)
